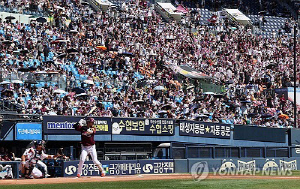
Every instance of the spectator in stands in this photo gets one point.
(143, 53)
(287, 27)
(5, 155)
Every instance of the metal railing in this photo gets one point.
(16, 117)
(7, 105)
(127, 155)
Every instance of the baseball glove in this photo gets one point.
(60, 152)
(82, 122)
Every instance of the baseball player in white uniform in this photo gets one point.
(8, 174)
(87, 144)
(32, 158)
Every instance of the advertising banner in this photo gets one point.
(157, 166)
(204, 129)
(126, 167)
(28, 131)
(63, 125)
(139, 126)
(245, 166)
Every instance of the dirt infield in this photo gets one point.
(128, 178)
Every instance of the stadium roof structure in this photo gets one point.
(238, 16)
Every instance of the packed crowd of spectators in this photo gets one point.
(129, 58)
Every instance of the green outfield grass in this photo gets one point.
(188, 184)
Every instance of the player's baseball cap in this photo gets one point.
(38, 143)
(90, 119)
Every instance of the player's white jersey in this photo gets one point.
(32, 154)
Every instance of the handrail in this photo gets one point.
(216, 146)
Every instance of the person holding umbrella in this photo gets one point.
(41, 20)
(10, 18)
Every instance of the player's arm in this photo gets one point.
(23, 162)
(77, 126)
(92, 129)
(46, 156)
(13, 156)
(59, 154)
(55, 156)
(23, 157)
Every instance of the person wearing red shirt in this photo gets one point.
(87, 129)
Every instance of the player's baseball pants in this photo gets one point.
(85, 150)
(36, 173)
(42, 165)
(8, 170)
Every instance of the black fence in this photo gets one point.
(215, 152)
(263, 134)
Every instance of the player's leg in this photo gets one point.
(9, 172)
(23, 168)
(44, 167)
(36, 173)
(83, 155)
(93, 153)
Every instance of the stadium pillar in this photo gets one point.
(71, 152)
(295, 74)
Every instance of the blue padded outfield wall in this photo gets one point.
(245, 166)
(218, 166)
(250, 165)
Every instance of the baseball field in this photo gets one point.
(157, 181)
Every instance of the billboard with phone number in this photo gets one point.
(28, 131)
